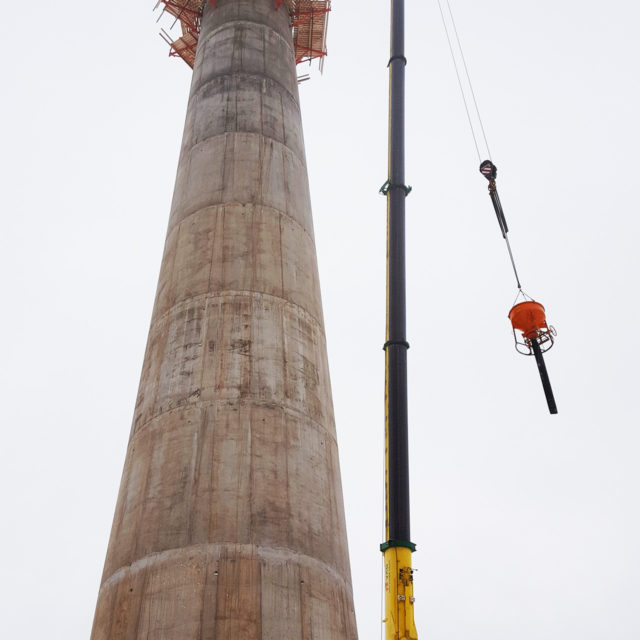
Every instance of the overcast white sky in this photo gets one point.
(527, 525)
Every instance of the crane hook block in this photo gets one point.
(489, 170)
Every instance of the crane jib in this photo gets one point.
(397, 548)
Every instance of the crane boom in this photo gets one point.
(397, 549)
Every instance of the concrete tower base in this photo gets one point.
(229, 521)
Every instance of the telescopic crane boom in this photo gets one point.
(397, 548)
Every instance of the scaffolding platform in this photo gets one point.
(308, 19)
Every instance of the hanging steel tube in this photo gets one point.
(397, 548)
(544, 377)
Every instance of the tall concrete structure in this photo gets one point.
(229, 521)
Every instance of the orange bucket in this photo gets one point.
(529, 318)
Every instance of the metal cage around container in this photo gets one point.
(529, 318)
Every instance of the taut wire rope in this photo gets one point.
(513, 262)
(462, 92)
(466, 70)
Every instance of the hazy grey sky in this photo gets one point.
(527, 525)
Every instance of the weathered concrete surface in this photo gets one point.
(229, 521)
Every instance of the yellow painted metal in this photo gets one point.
(398, 595)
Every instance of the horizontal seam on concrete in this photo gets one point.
(277, 553)
(247, 74)
(288, 410)
(302, 161)
(233, 293)
(242, 204)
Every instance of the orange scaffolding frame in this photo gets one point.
(308, 21)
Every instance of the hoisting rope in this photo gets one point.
(487, 168)
(525, 298)
(468, 77)
(513, 264)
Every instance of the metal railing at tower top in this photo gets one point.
(308, 19)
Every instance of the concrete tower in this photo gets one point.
(229, 521)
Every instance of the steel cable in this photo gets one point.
(466, 70)
(462, 92)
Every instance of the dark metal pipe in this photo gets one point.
(398, 519)
(490, 172)
(497, 205)
(542, 369)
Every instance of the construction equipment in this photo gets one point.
(527, 316)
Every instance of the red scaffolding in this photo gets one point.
(308, 19)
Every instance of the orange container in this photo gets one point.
(529, 318)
